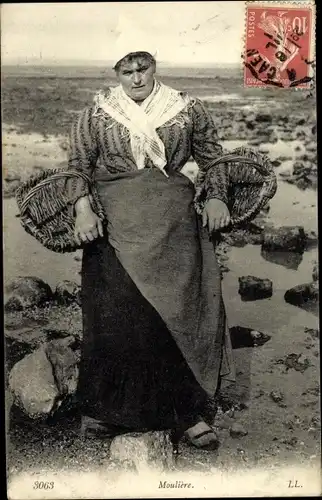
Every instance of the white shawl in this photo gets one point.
(163, 104)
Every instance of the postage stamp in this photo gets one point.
(279, 43)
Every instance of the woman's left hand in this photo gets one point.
(215, 215)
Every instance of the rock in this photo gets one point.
(303, 183)
(259, 338)
(311, 239)
(309, 404)
(32, 383)
(12, 177)
(64, 361)
(305, 172)
(315, 421)
(27, 291)
(150, 450)
(223, 421)
(285, 238)
(312, 181)
(294, 361)
(257, 141)
(21, 339)
(291, 441)
(252, 234)
(284, 158)
(264, 150)
(305, 157)
(246, 337)
(224, 269)
(253, 288)
(289, 260)
(311, 148)
(273, 139)
(287, 136)
(285, 174)
(277, 396)
(10, 188)
(253, 239)
(299, 167)
(67, 292)
(237, 430)
(314, 432)
(305, 294)
(276, 163)
(234, 239)
(314, 332)
(263, 118)
(64, 144)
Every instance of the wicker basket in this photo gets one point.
(47, 213)
(252, 183)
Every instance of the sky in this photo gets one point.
(180, 32)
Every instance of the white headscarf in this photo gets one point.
(130, 39)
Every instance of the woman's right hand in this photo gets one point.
(88, 226)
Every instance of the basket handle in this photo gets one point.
(231, 158)
(48, 180)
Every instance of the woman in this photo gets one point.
(155, 336)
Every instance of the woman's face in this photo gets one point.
(137, 78)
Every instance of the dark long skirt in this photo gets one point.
(137, 371)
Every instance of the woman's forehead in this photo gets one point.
(135, 64)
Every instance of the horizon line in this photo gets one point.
(109, 63)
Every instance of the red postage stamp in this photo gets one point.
(279, 48)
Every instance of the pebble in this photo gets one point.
(259, 394)
(290, 442)
(237, 430)
(314, 432)
(277, 396)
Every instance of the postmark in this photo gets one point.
(279, 44)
